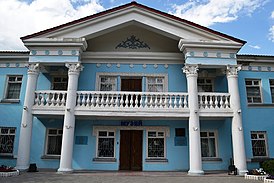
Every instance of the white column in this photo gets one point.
(236, 126)
(23, 156)
(69, 119)
(195, 159)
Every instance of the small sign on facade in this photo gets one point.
(131, 123)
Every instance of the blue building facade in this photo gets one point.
(112, 92)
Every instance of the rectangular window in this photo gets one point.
(205, 85)
(253, 91)
(155, 84)
(259, 144)
(54, 141)
(108, 83)
(13, 87)
(60, 82)
(208, 144)
(271, 82)
(106, 144)
(7, 136)
(156, 144)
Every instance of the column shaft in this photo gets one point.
(236, 126)
(69, 119)
(23, 157)
(195, 160)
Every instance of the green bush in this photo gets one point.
(268, 167)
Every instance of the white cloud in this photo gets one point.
(271, 29)
(19, 18)
(209, 12)
(255, 46)
(271, 33)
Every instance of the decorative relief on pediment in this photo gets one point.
(132, 42)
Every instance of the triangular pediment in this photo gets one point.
(113, 20)
(132, 38)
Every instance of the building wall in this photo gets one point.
(176, 78)
(255, 118)
(260, 117)
(177, 155)
(11, 113)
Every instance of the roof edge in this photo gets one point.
(133, 3)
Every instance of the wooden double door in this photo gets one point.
(131, 148)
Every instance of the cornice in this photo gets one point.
(129, 57)
(207, 44)
(56, 42)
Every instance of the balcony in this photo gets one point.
(131, 104)
(214, 104)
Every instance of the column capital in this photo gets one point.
(190, 70)
(74, 68)
(232, 70)
(33, 68)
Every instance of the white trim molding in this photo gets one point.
(166, 129)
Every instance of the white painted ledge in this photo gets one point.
(9, 174)
(255, 177)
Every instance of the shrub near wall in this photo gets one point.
(268, 167)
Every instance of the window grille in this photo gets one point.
(108, 83)
(7, 136)
(259, 143)
(106, 141)
(156, 144)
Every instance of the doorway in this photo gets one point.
(131, 148)
(131, 84)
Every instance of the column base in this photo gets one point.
(64, 170)
(242, 172)
(196, 172)
(22, 167)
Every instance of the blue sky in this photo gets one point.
(249, 20)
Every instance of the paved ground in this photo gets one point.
(124, 177)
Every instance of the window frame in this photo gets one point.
(120, 75)
(115, 83)
(7, 87)
(62, 76)
(14, 134)
(208, 137)
(46, 144)
(271, 86)
(156, 83)
(165, 146)
(97, 142)
(260, 90)
(266, 143)
(206, 78)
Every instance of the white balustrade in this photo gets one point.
(209, 100)
(150, 100)
(50, 98)
(132, 100)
